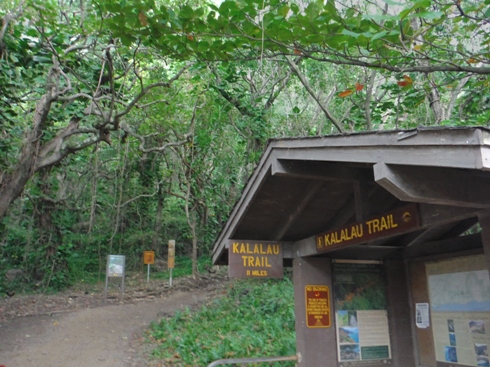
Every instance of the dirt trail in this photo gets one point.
(96, 337)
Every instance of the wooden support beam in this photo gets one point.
(400, 314)
(302, 201)
(444, 231)
(351, 208)
(435, 185)
(484, 220)
(432, 233)
(321, 170)
(462, 243)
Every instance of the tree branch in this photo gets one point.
(142, 148)
(146, 89)
(307, 86)
(10, 17)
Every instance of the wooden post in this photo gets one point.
(399, 315)
(316, 346)
(484, 219)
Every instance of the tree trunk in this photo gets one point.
(195, 270)
(12, 185)
(158, 221)
(435, 101)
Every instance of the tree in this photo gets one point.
(433, 45)
(83, 84)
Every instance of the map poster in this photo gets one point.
(115, 269)
(459, 291)
(361, 317)
(115, 265)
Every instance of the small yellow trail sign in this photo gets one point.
(148, 257)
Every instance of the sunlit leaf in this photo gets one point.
(143, 19)
(406, 82)
(345, 93)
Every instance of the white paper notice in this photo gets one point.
(422, 315)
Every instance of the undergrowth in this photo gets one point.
(82, 272)
(252, 319)
(183, 267)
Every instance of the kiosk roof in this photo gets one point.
(306, 186)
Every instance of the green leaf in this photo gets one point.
(379, 35)
(421, 4)
(283, 11)
(187, 12)
(41, 59)
(427, 15)
(127, 39)
(311, 11)
(350, 33)
(390, 2)
(113, 6)
(380, 17)
(330, 9)
(417, 5)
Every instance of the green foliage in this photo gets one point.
(253, 319)
(183, 267)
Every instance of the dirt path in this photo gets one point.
(95, 337)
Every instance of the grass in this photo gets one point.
(252, 319)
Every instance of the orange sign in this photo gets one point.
(317, 306)
(171, 254)
(148, 257)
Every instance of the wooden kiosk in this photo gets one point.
(388, 234)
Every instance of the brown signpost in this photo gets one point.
(317, 306)
(171, 258)
(397, 221)
(171, 254)
(255, 259)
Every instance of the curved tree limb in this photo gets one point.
(307, 86)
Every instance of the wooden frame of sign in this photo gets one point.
(115, 268)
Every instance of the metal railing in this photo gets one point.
(254, 360)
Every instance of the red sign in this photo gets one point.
(397, 221)
(317, 306)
